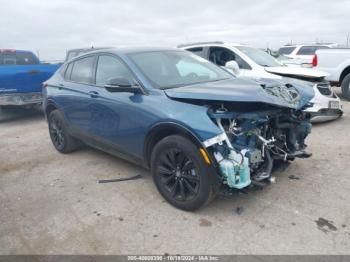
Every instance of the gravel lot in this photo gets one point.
(52, 204)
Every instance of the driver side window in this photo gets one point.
(221, 55)
(109, 67)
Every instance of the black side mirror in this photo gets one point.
(121, 84)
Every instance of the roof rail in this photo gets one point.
(200, 43)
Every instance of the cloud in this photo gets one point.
(54, 26)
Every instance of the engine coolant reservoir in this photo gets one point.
(236, 171)
(244, 173)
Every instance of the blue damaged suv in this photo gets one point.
(194, 125)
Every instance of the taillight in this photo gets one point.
(45, 84)
(314, 61)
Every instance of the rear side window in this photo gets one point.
(310, 50)
(109, 67)
(286, 50)
(25, 59)
(14, 58)
(82, 70)
(196, 50)
(307, 50)
(9, 58)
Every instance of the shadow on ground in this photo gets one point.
(15, 113)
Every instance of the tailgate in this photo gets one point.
(24, 78)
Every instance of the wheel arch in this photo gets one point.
(343, 74)
(162, 130)
(51, 106)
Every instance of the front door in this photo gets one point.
(117, 118)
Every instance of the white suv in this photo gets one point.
(248, 62)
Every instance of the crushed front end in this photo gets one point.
(255, 136)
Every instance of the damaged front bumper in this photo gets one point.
(250, 143)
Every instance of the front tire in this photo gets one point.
(180, 173)
(62, 141)
(345, 87)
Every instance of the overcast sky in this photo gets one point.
(53, 26)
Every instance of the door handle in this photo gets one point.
(60, 86)
(94, 94)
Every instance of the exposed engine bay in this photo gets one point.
(262, 124)
(253, 141)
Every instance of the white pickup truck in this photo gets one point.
(336, 62)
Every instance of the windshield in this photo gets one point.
(169, 69)
(259, 56)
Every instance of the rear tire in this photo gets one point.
(62, 141)
(180, 173)
(345, 87)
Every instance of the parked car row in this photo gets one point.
(202, 118)
(301, 55)
(329, 58)
(336, 62)
(248, 62)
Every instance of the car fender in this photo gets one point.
(166, 128)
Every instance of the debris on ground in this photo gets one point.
(120, 179)
(325, 225)
(293, 177)
(239, 210)
(204, 222)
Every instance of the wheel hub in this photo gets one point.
(178, 175)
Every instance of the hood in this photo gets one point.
(298, 72)
(239, 90)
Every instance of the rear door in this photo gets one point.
(74, 94)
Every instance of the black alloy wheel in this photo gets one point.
(60, 137)
(56, 132)
(178, 175)
(181, 175)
